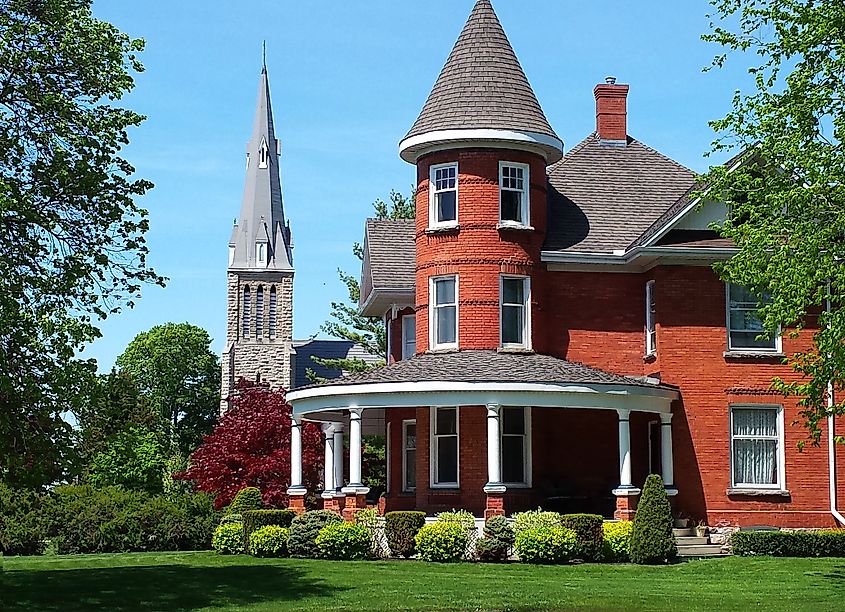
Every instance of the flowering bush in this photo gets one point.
(617, 541)
(228, 539)
(344, 541)
(441, 542)
(533, 519)
(546, 545)
(269, 541)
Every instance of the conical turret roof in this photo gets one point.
(482, 87)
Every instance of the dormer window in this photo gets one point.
(513, 193)
(443, 205)
(263, 154)
(261, 252)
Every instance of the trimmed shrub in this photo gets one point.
(303, 531)
(400, 529)
(828, 543)
(588, 529)
(617, 541)
(546, 545)
(255, 519)
(21, 525)
(368, 517)
(344, 541)
(534, 519)
(463, 518)
(442, 542)
(228, 539)
(269, 541)
(652, 540)
(497, 541)
(248, 498)
(232, 518)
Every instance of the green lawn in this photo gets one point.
(191, 581)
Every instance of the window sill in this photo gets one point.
(650, 358)
(515, 349)
(443, 229)
(444, 490)
(750, 492)
(519, 227)
(752, 355)
(440, 351)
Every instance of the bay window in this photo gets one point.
(444, 447)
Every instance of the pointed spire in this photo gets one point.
(262, 220)
(482, 87)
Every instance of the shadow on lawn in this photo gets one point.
(172, 587)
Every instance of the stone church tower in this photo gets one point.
(259, 339)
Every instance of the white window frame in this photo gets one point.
(526, 448)
(405, 487)
(406, 341)
(526, 319)
(433, 221)
(525, 207)
(650, 320)
(432, 313)
(778, 345)
(781, 451)
(433, 437)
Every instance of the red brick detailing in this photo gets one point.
(331, 503)
(495, 506)
(626, 507)
(611, 111)
(353, 504)
(297, 503)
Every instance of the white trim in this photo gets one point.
(432, 313)
(780, 485)
(433, 221)
(411, 149)
(527, 457)
(525, 203)
(405, 487)
(433, 455)
(526, 313)
(778, 346)
(650, 320)
(404, 318)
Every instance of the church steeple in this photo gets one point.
(261, 238)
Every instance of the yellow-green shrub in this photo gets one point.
(442, 542)
(269, 541)
(344, 541)
(617, 541)
(228, 539)
(546, 545)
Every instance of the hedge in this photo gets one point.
(22, 529)
(546, 545)
(534, 519)
(789, 543)
(255, 519)
(400, 529)
(588, 530)
(617, 541)
(248, 498)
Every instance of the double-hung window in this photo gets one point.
(650, 320)
(515, 446)
(745, 329)
(409, 336)
(513, 193)
(515, 315)
(445, 448)
(444, 312)
(757, 460)
(444, 195)
(409, 455)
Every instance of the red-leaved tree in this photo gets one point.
(250, 447)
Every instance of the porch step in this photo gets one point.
(692, 541)
(684, 533)
(700, 550)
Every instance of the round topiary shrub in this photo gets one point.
(442, 542)
(269, 541)
(302, 535)
(400, 529)
(344, 542)
(546, 545)
(498, 539)
(248, 498)
(588, 529)
(617, 541)
(652, 540)
(228, 539)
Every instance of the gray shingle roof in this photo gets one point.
(325, 349)
(488, 366)
(604, 197)
(482, 84)
(391, 253)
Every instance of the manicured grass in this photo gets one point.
(191, 581)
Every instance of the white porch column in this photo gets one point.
(494, 455)
(625, 481)
(355, 444)
(328, 459)
(666, 457)
(338, 456)
(296, 487)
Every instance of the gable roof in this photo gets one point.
(603, 197)
(389, 258)
(482, 84)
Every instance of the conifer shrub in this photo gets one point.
(588, 529)
(248, 498)
(22, 529)
(443, 542)
(546, 545)
(533, 519)
(228, 539)
(303, 531)
(652, 540)
(269, 541)
(344, 542)
(255, 519)
(400, 529)
(497, 542)
(617, 541)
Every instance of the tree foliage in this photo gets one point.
(250, 447)
(134, 459)
(786, 201)
(72, 247)
(179, 374)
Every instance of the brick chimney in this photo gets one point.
(612, 111)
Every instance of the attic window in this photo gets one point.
(513, 193)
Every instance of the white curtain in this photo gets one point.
(755, 433)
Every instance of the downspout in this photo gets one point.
(831, 448)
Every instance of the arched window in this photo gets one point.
(272, 312)
(246, 308)
(259, 312)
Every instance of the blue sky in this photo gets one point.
(347, 80)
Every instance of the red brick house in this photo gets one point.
(556, 329)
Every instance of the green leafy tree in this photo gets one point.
(178, 373)
(134, 459)
(786, 201)
(72, 247)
